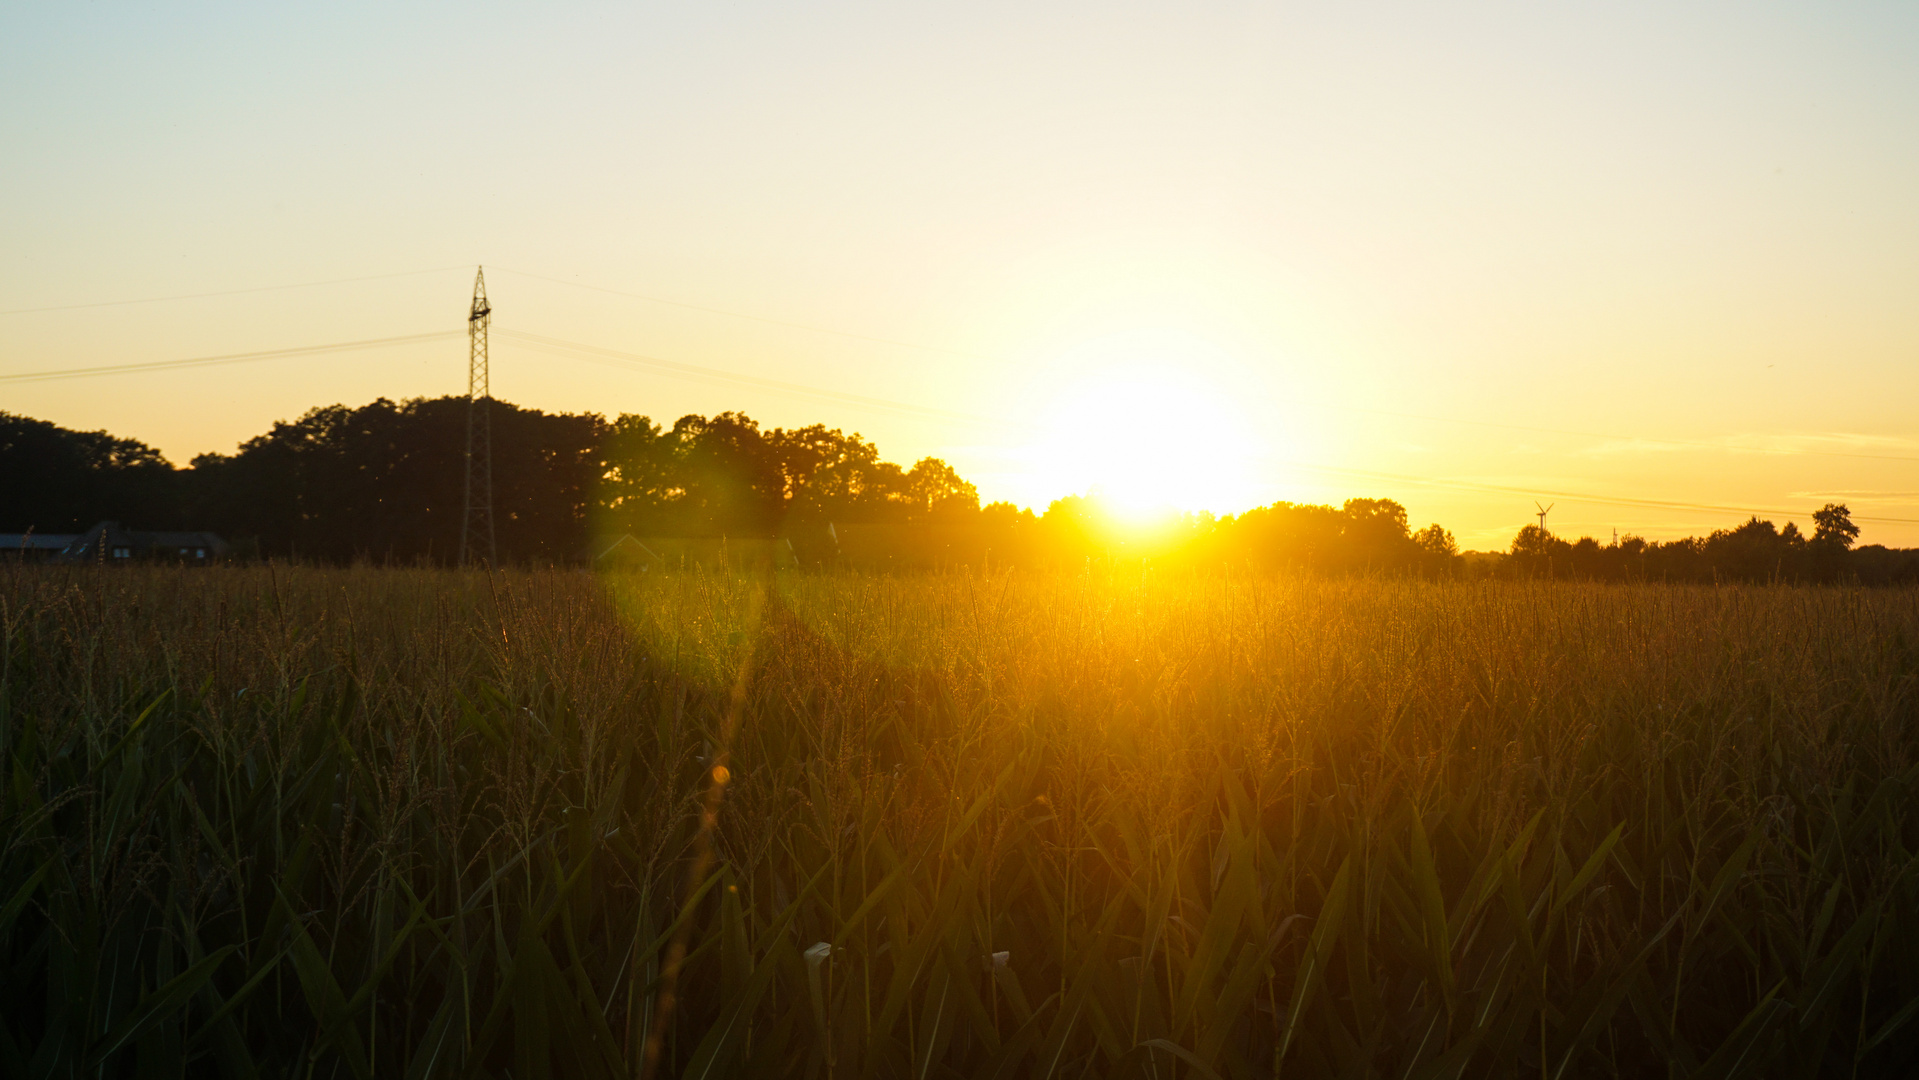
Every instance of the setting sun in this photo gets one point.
(1148, 424)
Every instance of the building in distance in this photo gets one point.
(110, 542)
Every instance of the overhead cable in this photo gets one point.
(1574, 496)
(922, 346)
(599, 354)
(619, 358)
(750, 318)
(230, 358)
(1722, 447)
(230, 292)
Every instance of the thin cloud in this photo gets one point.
(1635, 446)
(1763, 444)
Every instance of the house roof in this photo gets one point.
(111, 534)
(178, 539)
(626, 544)
(37, 541)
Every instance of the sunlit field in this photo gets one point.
(306, 822)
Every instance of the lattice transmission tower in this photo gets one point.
(476, 523)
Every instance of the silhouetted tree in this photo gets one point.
(1006, 515)
(57, 480)
(1833, 527)
(1536, 543)
(1375, 535)
(727, 476)
(729, 481)
(1288, 535)
(830, 475)
(386, 481)
(934, 490)
(638, 484)
(1751, 552)
(1435, 540)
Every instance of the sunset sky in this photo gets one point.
(1468, 255)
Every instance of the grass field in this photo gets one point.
(353, 823)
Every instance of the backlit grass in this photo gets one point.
(355, 823)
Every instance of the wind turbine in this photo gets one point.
(1543, 511)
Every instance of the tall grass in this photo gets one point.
(357, 823)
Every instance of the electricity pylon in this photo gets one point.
(476, 522)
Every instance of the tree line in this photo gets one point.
(1372, 535)
(1756, 550)
(384, 482)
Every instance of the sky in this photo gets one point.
(1655, 265)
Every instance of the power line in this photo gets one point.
(597, 354)
(1602, 500)
(230, 292)
(231, 358)
(1722, 447)
(751, 318)
(900, 343)
(922, 346)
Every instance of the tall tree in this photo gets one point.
(1833, 528)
